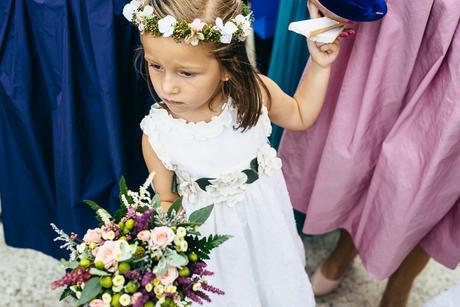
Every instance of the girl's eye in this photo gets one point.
(155, 66)
(185, 74)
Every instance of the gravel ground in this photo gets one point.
(27, 275)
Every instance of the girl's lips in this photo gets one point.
(172, 102)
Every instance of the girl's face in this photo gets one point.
(187, 78)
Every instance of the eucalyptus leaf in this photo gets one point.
(91, 290)
(201, 215)
(156, 201)
(69, 264)
(175, 206)
(97, 272)
(176, 260)
(161, 268)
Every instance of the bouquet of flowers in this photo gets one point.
(142, 256)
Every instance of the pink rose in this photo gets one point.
(161, 236)
(97, 303)
(106, 254)
(144, 235)
(169, 277)
(93, 236)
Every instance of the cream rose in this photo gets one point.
(106, 253)
(169, 277)
(161, 236)
(93, 236)
(144, 235)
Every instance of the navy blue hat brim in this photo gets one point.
(356, 10)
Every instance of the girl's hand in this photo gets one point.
(323, 54)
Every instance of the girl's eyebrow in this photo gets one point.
(180, 66)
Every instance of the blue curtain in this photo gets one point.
(289, 55)
(70, 105)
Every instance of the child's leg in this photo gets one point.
(336, 264)
(400, 283)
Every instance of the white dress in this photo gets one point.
(262, 265)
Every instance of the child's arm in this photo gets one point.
(301, 111)
(163, 179)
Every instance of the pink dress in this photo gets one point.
(383, 159)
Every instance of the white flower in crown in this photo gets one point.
(147, 12)
(166, 25)
(131, 8)
(228, 188)
(196, 35)
(267, 159)
(226, 30)
(245, 23)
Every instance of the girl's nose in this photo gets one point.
(169, 85)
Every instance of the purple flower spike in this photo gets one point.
(212, 289)
(191, 295)
(203, 295)
(147, 278)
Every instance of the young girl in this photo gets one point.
(209, 133)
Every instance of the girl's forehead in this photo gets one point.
(166, 49)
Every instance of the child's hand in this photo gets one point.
(323, 54)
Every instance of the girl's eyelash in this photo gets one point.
(186, 74)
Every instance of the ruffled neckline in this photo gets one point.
(199, 130)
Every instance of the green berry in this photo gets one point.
(184, 272)
(124, 267)
(85, 262)
(115, 300)
(121, 225)
(131, 287)
(149, 304)
(129, 224)
(122, 238)
(193, 257)
(99, 265)
(106, 282)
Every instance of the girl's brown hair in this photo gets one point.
(244, 84)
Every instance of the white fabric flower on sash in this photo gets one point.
(228, 188)
(268, 161)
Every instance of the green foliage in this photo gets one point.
(67, 292)
(203, 247)
(93, 205)
(91, 290)
(200, 216)
(175, 207)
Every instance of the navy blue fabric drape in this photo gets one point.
(70, 105)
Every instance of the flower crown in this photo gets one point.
(234, 30)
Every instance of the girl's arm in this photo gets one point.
(301, 111)
(163, 179)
